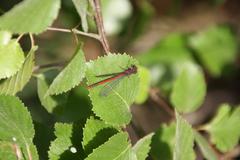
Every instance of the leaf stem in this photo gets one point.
(92, 35)
(19, 37)
(32, 40)
(100, 26)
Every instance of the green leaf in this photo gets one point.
(30, 16)
(82, 9)
(16, 83)
(50, 103)
(189, 89)
(183, 149)
(163, 142)
(225, 128)
(144, 85)
(206, 149)
(165, 60)
(142, 147)
(114, 107)
(95, 133)
(5, 37)
(116, 148)
(62, 143)
(7, 151)
(11, 58)
(16, 125)
(211, 43)
(70, 76)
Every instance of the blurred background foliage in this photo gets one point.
(165, 36)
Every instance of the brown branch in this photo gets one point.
(158, 99)
(100, 26)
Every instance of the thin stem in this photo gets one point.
(161, 102)
(19, 37)
(92, 35)
(100, 26)
(32, 40)
(51, 65)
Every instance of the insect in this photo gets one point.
(113, 80)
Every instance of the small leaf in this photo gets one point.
(116, 148)
(114, 107)
(144, 85)
(62, 143)
(30, 16)
(189, 89)
(16, 125)
(95, 133)
(225, 128)
(70, 76)
(11, 58)
(211, 43)
(82, 9)
(163, 142)
(50, 103)
(206, 149)
(5, 37)
(183, 149)
(142, 147)
(16, 83)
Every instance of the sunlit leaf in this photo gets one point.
(30, 16)
(189, 89)
(113, 107)
(82, 9)
(206, 149)
(183, 149)
(216, 47)
(116, 148)
(16, 83)
(142, 147)
(225, 128)
(70, 76)
(5, 37)
(144, 85)
(63, 132)
(11, 57)
(16, 125)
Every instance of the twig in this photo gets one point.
(51, 65)
(19, 37)
(231, 154)
(32, 40)
(100, 26)
(92, 35)
(161, 102)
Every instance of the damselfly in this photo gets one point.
(113, 80)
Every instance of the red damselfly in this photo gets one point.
(113, 80)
